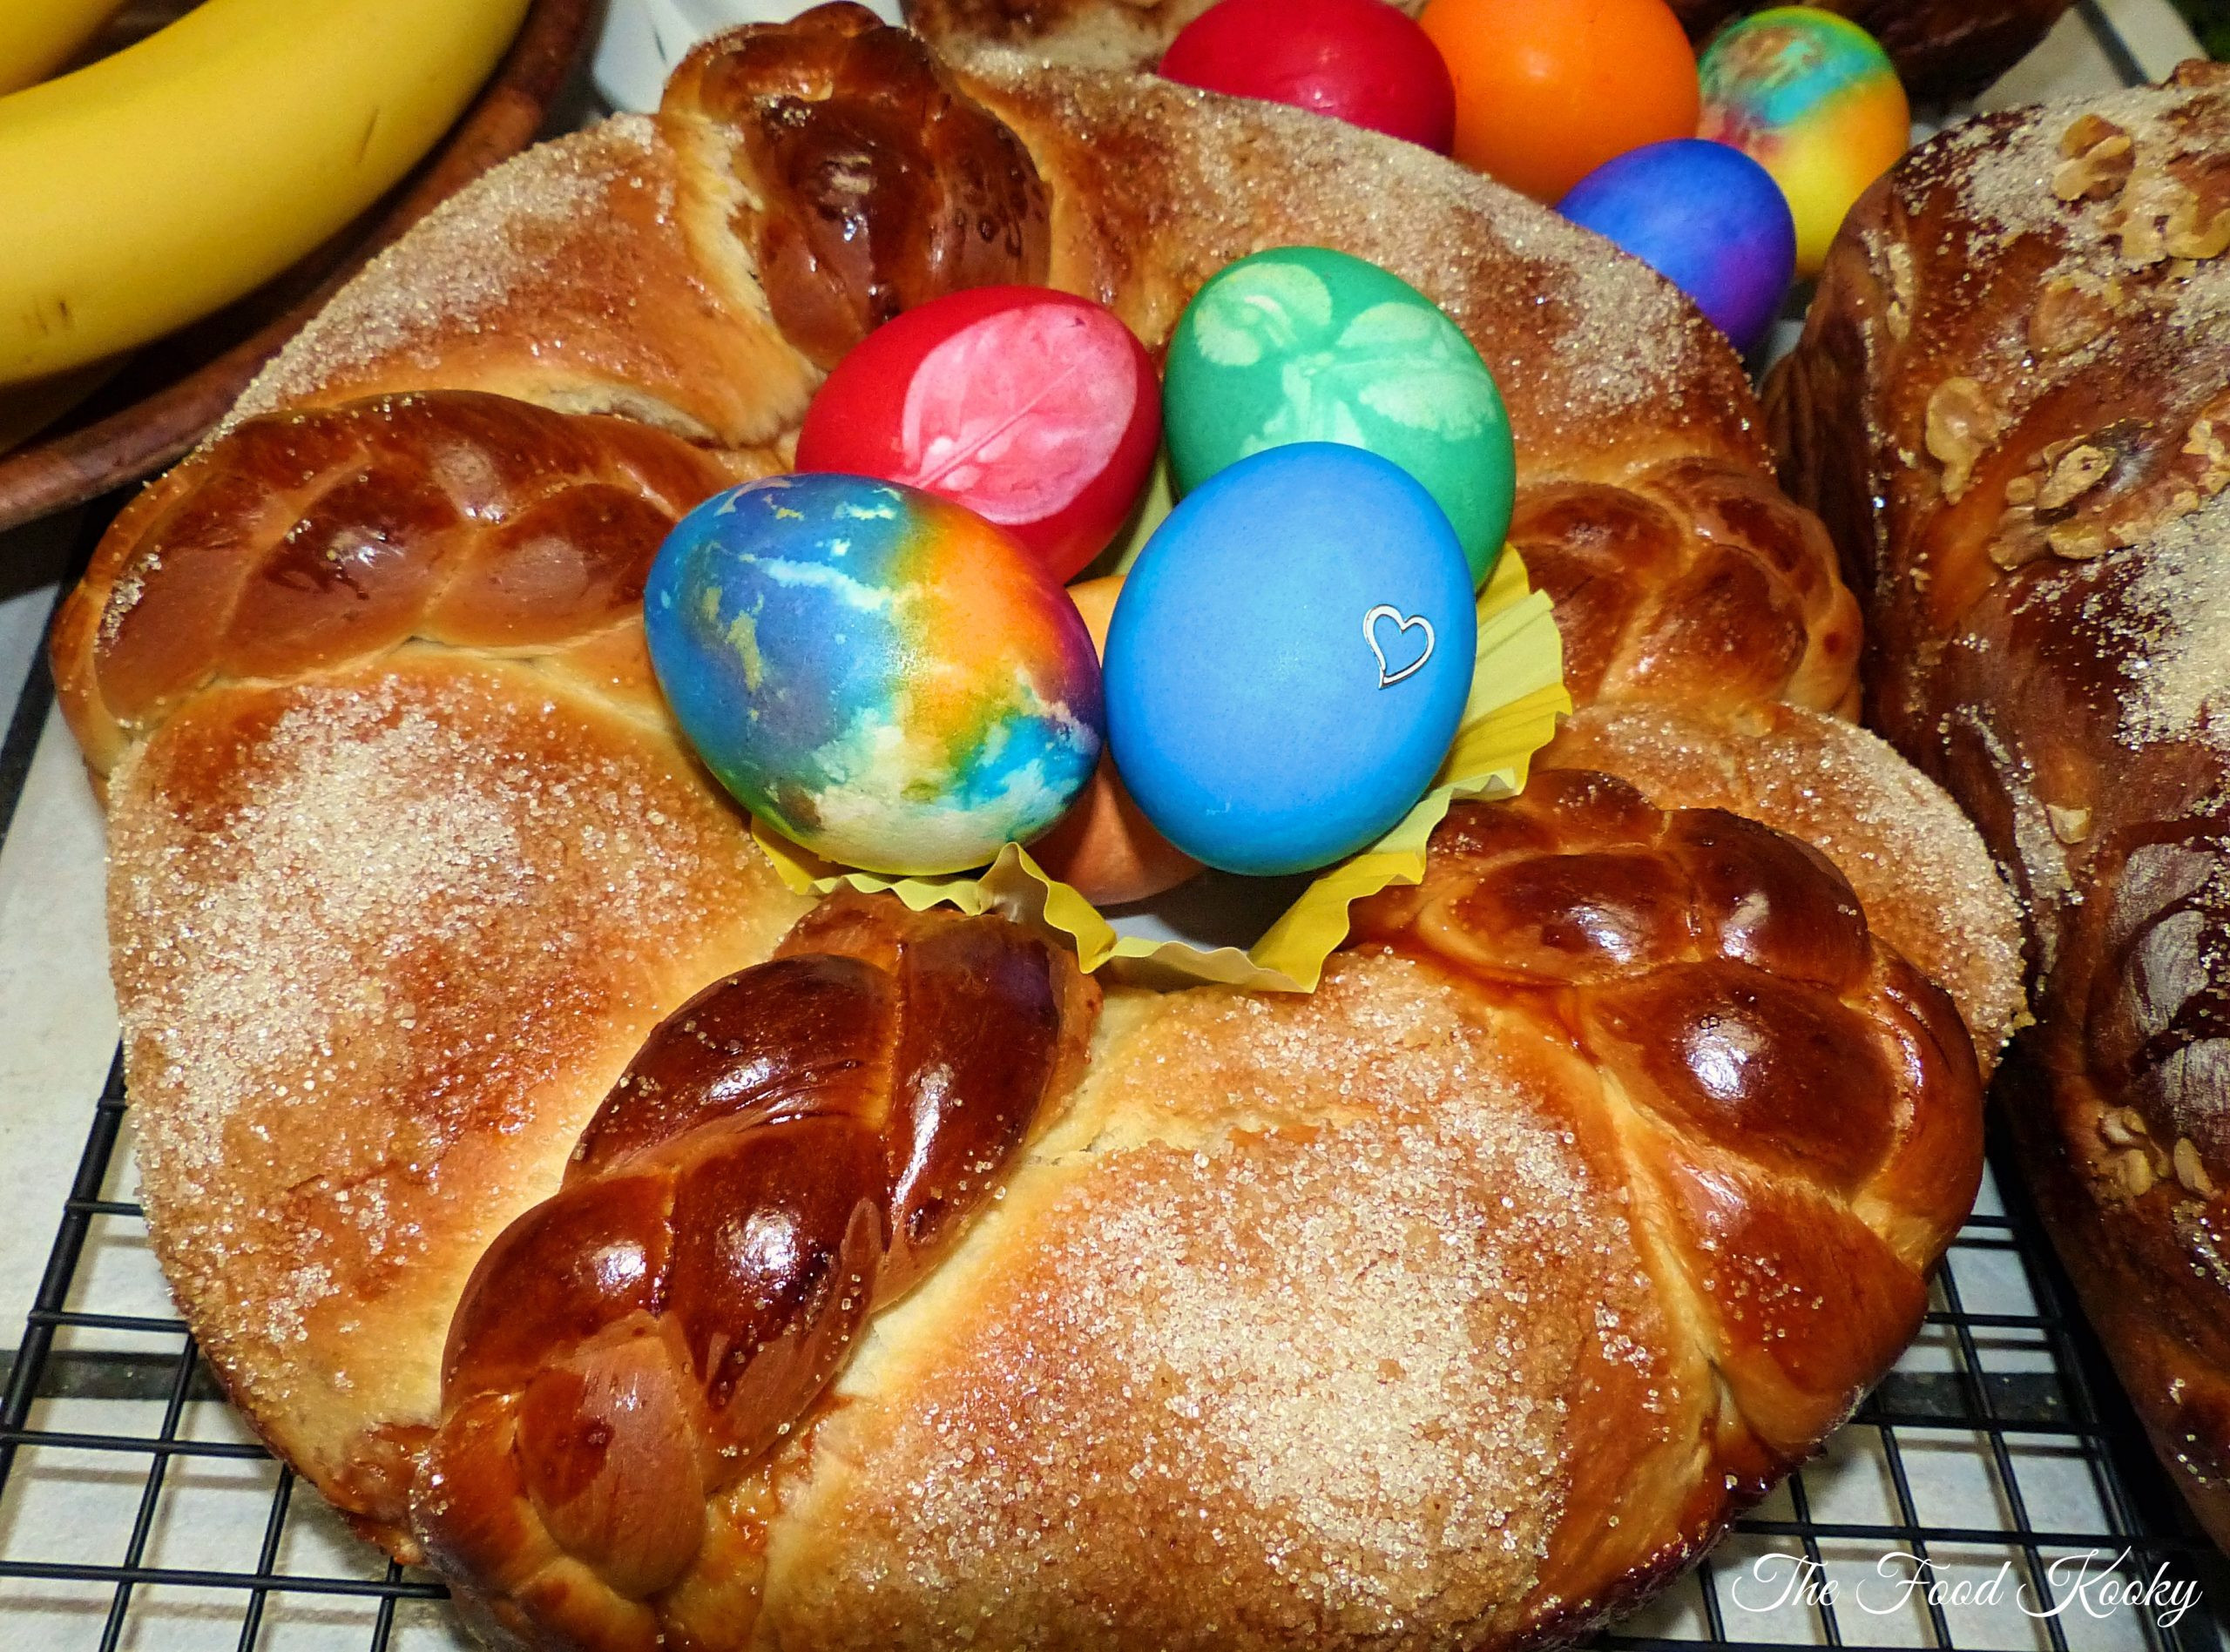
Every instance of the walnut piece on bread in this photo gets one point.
(2047, 641)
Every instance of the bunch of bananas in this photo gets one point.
(163, 181)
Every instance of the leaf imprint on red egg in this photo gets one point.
(1018, 413)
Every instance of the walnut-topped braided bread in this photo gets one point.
(1944, 48)
(2008, 404)
(1451, 1305)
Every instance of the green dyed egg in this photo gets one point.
(1304, 344)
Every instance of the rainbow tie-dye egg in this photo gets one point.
(1813, 99)
(881, 676)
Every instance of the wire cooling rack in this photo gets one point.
(1994, 1492)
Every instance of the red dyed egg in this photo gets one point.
(1033, 409)
(1360, 61)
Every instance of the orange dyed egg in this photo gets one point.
(1105, 847)
(1546, 90)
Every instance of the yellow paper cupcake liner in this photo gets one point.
(1517, 693)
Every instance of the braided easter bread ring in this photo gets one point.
(666, 1281)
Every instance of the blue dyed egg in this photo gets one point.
(1290, 658)
(881, 675)
(1706, 218)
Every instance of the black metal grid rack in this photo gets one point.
(2007, 1412)
(136, 1512)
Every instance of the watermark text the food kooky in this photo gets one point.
(2096, 1583)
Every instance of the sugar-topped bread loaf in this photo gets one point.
(666, 1281)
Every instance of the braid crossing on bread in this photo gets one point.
(794, 1147)
(666, 1281)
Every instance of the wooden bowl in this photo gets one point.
(157, 403)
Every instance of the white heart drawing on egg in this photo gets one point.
(1387, 610)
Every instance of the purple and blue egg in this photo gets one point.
(881, 676)
(1290, 658)
(1707, 218)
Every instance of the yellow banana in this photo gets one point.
(161, 183)
(37, 37)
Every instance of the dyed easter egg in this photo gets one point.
(880, 675)
(1290, 658)
(1038, 410)
(1706, 218)
(1811, 98)
(1304, 344)
(1360, 61)
(1105, 847)
(1546, 90)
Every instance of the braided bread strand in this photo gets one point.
(311, 540)
(1794, 1107)
(791, 1149)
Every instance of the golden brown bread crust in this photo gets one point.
(868, 180)
(368, 692)
(792, 1149)
(1197, 1210)
(2018, 348)
(322, 538)
(1291, 1456)
(1944, 48)
(1926, 882)
(1697, 583)
(1651, 1149)
(574, 275)
(1262, 1348)
(1396, 1267)
(386, 936)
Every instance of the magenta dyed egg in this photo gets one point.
(1360, 61)
(1038, 410)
